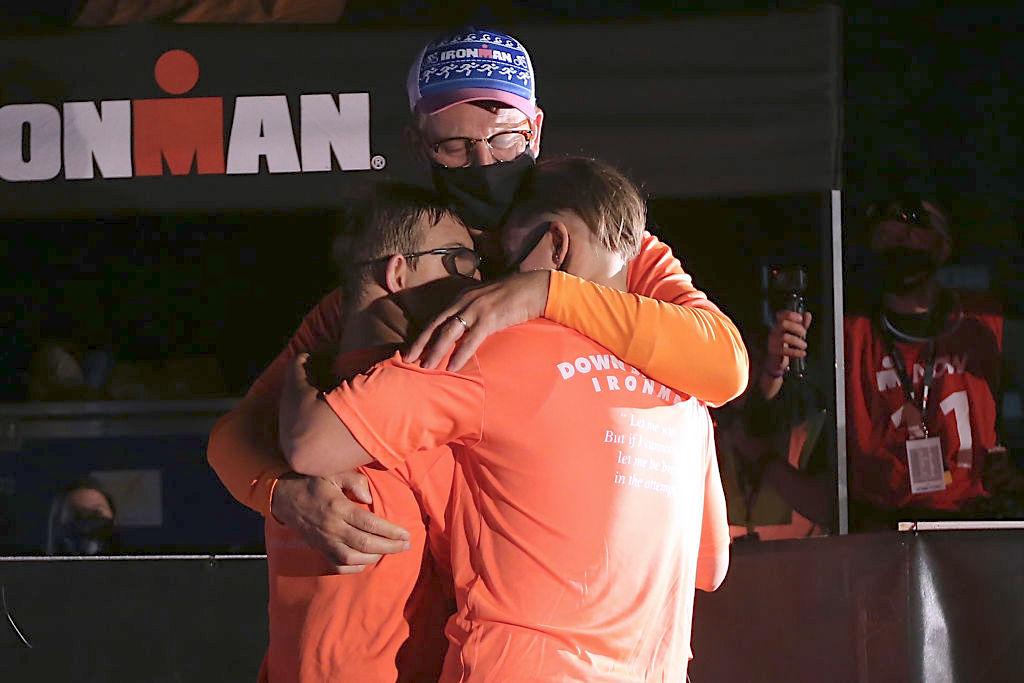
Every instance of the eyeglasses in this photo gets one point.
(909, 216)
(456, 260)
(908, 212)
(506, 146)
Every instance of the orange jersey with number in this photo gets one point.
(961, 411)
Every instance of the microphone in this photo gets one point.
(791, 282)
(795, 303)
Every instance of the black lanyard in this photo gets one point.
(907, 383)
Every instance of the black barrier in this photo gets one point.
(153, 620)
(886, 608)
(896, 607)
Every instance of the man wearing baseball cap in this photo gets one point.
(478, 127)
(476, 122)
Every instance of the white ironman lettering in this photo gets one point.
(918, 373)
(103, 134)
(630, 383)
(341, 128)
(43, 124)
(887, 379)
(944, 365)
(648, 387)
(959, 364)
(897, 417)
(664, 394)
(262, 126)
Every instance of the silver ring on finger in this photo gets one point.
(461, 320)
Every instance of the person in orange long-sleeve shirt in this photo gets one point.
(400, 251)
(678, 319)
(589, 504)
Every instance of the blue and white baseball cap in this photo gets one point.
(469, 65)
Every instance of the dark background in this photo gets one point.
(931, 104)
(932, 88)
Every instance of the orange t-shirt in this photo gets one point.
(385, 623)
(575, 534)
(652, 334)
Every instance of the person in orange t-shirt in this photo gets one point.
(399, 252)
(661, 318)
(589, 504)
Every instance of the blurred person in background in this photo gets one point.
(774, 450)
(923, 371)
(82, 521)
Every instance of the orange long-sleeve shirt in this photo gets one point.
(663, 326)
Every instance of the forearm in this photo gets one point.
(713, 556)
(243, 453)
(696, 351)
(770, 385)
(243, 447)
(313, 439)
(712, 568)
(713, 552)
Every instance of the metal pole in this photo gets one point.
(842, 493)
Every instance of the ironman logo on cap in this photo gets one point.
(472, 64)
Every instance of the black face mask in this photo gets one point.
(901, 269)
(483, 194)
(529, 246)
(86, 536)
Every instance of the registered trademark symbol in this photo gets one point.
(378, 162)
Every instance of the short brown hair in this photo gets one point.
(379, 221)
(602, 196)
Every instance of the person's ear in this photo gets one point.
(417, 144)
(396, 274)
(538, 124)
(559, 244)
